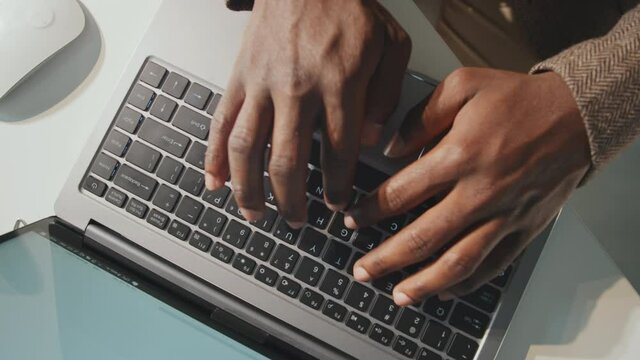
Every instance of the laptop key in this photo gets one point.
(312, 241)
(309, 271)
(215, 100)
(387, 282)
(312, 299)
(501, 280)
(137, 208)
(268, 218)
(116, 197)
(166, 198)
(318, 215)
(285, 233)
(357, 256)
(244, 264)
(179, 230)
(405, 347)
(200, 241)
(94, 186)
(153, 74)
(384, 309)
(158, 219)
(462, 348)
(175, 85)
(334, 284)
(337, 254)
(260, 246)
(289, 287)
(129, 120)
(484, 298)
(266, 275)
(368, 178)
(426, 354)
(236, 234)
(195, 156)
(360, 297)
(143, 156)
(233, 209)
(170, 170)
(367, 239)
(381, 335)
(164, 137)
(212, 222)
(197, 96)
(217, 197)
(192, 182)
(358, 323)
(189, 210)
(105, 166)
(192, 122)
(222, 252)
(338, 229)
(469, 320)
(117, 143)
(285, 259)
(411, 322)
(135, 182)
(163, 108)
(335, 311)
(314, 184)
(141, 97)
(393, 224)
(268, 191)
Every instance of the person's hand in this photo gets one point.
(343, 59)
(507, 150)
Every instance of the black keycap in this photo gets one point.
(411, 322)
(233, 209)
(135, 182)
(426, 354)
(314, 184)
(501, 280)
(244, 264)
(105, 166)
(309, 271)
(368, 178)
(192, 182)
(469, 320)
(94, 186)
(200, 242)
(129, 120)
(216, 197)
(141, 97)
(117, 143)
(268, 191)
(337, 254)
(285, 259)
(367, 239)
(437, 308)
(312, 299)
(195, 156)
(175, 85)
(260, 246)
(360, 297)
(484, 298)
(384, 309)
(179, 230)
(158, 219)
(312, 241)
(393, 224)
(381, 335)
(334, 284)
(387, 282)
(338, 229)
(285, 233)
(212, 222)
(164, 138)
(405, 347)
(289, 287)
(197, 96)
(222, 252)
(335, 311)
(192, 122)
(314, 158)
(268, 218)
(153, 74)
(213, 104)
(170, 170)
(166, 198)
(462, 348)
(436, 335)
(415, 267)
(266, 275)
(189, 210)
(357, 256)
(236, 234)
(143, 156)
(358, 323)
(116, 197)
(318, 215)
(163, 108)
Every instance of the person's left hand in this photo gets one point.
(512, 149)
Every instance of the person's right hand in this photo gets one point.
(344, 59)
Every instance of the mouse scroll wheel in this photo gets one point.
(41, 18)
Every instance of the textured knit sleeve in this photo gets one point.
(604, 77)
(239, 5)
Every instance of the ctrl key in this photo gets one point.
(94, 186)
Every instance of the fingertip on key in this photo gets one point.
(211, 182)
(251, 215)
(402, 299)
(361, 274)
(350, 222)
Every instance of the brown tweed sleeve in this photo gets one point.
(604, 76)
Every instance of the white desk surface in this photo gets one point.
(577, 305)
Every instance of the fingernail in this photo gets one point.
(360, 274)
(251, 215)
(402, 299)
(295, 224)
(446, 296)
(395, 146)
(350, 222)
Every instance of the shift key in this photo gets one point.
(163, 137)
(135, 182)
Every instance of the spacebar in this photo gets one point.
(135, 182)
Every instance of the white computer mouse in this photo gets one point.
(31, 31)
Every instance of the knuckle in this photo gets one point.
(393, 197)
(459, 265)
(242, 142)
(243, 195)
(212, 159)
(460, 77)
(282, 167)
(221, 122)
(418, 246)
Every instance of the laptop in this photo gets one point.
(136, 200)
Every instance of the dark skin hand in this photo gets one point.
(507, 151)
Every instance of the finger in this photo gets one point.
(455, 265)
(433, 173)
(386, 84)
(247, 144)
(216, 164)
(290, 151)
(343, 122)
(421, 128)
(416, 242)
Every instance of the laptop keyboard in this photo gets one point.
(151, 166)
